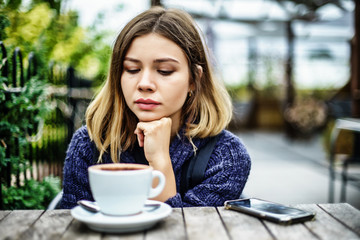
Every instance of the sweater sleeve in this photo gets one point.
(79, 157)
(224, 179)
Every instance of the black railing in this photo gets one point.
(45, 151)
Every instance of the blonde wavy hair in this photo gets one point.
(206, 112)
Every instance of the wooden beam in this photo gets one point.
(355, 74)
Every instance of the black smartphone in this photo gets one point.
(271, 211)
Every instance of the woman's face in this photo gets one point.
(155, 79)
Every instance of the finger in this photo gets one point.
(140, 137)
(166, 121)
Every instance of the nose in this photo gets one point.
(146, 82)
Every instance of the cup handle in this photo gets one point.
(158, 189)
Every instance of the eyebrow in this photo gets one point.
(166, 60)
(160, 60)
(131, 59)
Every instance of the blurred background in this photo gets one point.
(290, 66)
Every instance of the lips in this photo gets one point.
(146, 104)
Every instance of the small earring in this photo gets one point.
(190, 93)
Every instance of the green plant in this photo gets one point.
(32, 195)
(55, 35)
(22, 112)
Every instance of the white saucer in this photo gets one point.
(120, 224)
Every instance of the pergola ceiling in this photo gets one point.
(268, 17)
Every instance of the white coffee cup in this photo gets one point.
(123, 188)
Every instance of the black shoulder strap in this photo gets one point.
(193, 170)
(139, 154)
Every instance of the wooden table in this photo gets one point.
(333, 221)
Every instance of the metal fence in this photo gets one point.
(70, 96)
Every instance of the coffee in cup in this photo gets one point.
(123, 188)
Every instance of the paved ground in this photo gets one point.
(290, 172)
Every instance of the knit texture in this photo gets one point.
(224, 179)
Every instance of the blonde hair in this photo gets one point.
(206, 112)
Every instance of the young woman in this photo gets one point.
(161, 98)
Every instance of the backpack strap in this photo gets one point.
(193, 170)
(139, 154)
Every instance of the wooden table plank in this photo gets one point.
(79, 231)
(3, 214)
(128, 236)
(293, 232)
(51, 225)
(204, 223)
(242, 226)
(163, 230)
(333, 221)
(325, 226)
(345, 213)
(172, 227)
(112, 236)
(17, 222)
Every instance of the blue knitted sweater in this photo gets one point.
(225, 176)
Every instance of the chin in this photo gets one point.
(149, 118)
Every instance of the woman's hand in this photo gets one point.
(154, 137)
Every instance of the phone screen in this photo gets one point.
(268, 207)
(269, 210)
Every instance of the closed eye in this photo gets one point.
(132, 71)
(165, 73)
